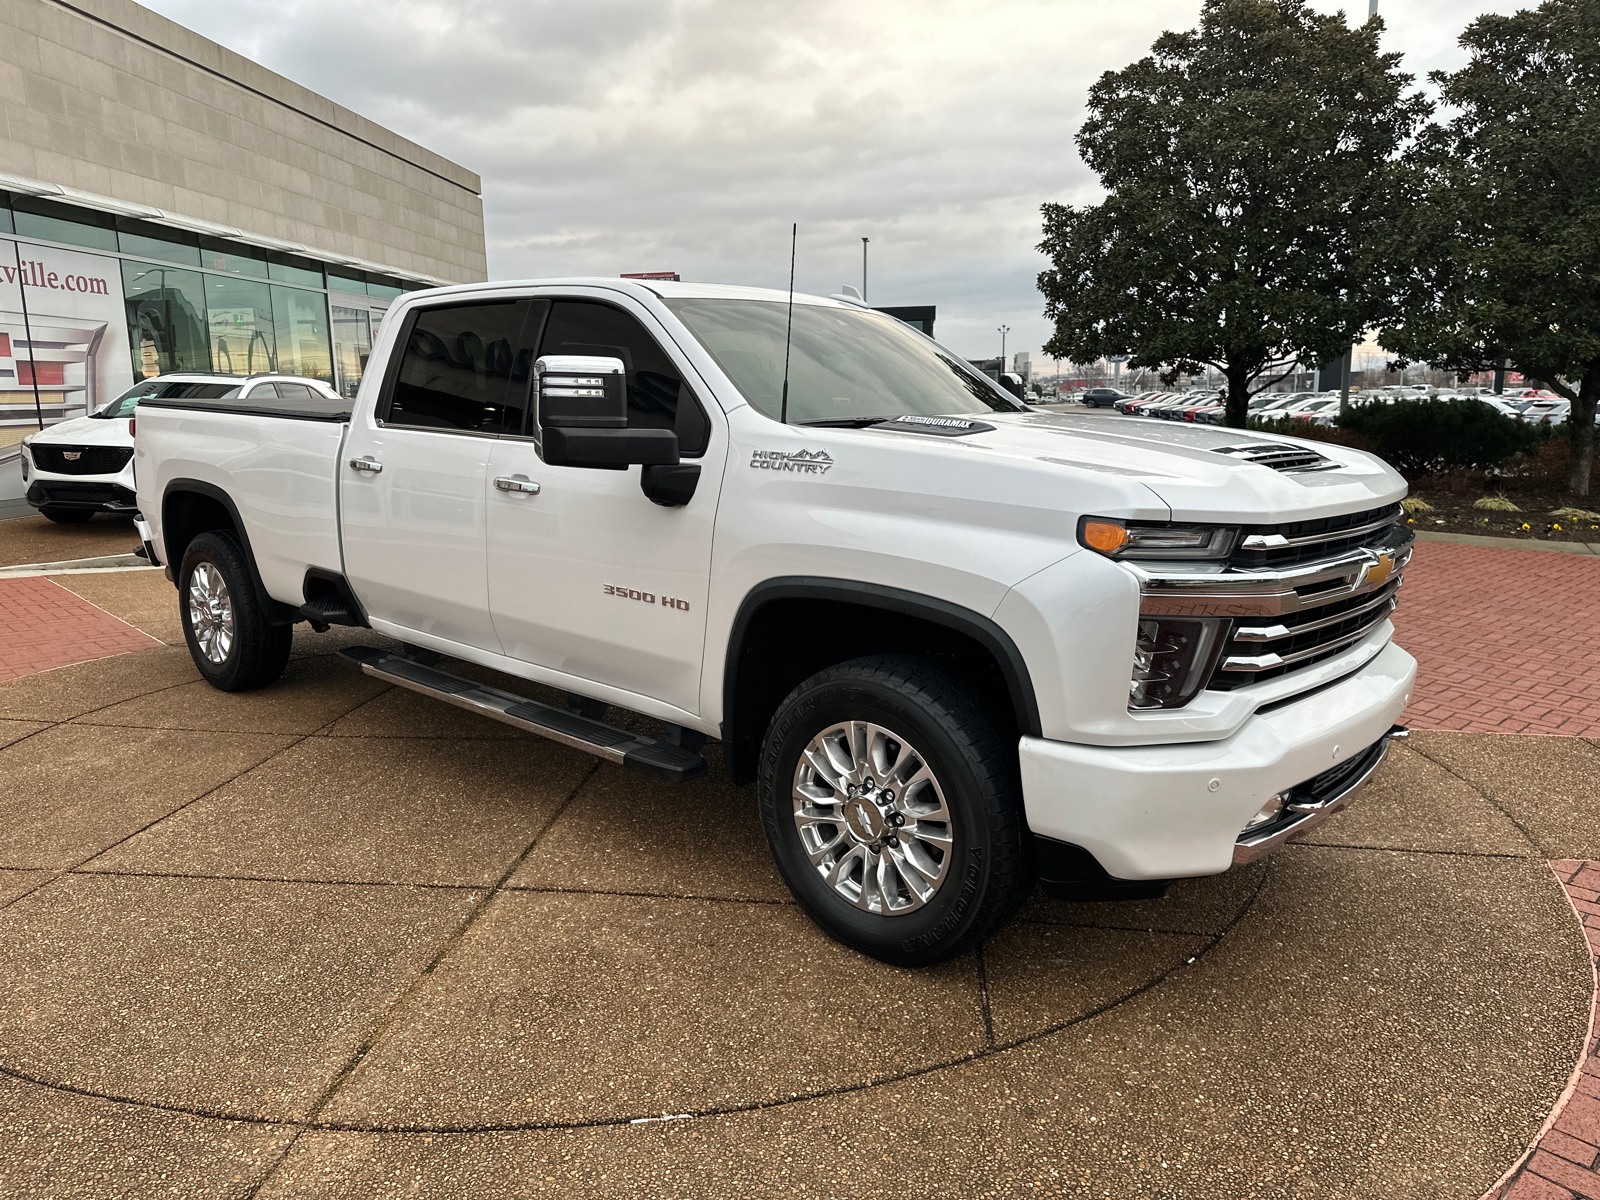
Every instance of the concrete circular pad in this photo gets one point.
(453, 955)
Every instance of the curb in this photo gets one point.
(1504, 543)
(1560, 1163)
(78, 566)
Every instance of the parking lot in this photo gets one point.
(336, 939)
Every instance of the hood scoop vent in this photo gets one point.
(1279, 457)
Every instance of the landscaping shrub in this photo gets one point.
(1430, 436)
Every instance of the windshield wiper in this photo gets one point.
(846, 422)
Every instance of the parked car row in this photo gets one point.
(1322, 408)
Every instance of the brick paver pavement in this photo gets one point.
(45, 626)
(1561, 1164)
(1504, 638)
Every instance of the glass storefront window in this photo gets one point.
(346, 283)
(159, 248)
(166, 319)
(287, 272)
(232, 258)
(239, 316)
(301, 320)
(74, 227)
(385, 291)
(352, 346)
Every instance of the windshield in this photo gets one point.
(846, 366)
(164, 389)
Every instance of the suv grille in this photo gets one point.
(1279, 457)
(1299, 542)
(91, 460)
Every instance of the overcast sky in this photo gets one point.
(686, 135)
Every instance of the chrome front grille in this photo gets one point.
(1307, 541)
(1257, 650)
(1283, 616)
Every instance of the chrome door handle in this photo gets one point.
(517, 483)
(371, 465)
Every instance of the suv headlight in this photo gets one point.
(1156, 539)
(1173, 658)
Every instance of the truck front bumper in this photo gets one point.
(1166, 812)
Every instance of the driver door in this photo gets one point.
(587, 576)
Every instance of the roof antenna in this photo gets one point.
(788, 333)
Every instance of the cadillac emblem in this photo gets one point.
(72, 455)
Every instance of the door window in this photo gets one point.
(658, 398)
(467, 367)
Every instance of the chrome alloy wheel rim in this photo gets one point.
(872, 818)
(211, 613)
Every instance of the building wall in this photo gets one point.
(109, 97)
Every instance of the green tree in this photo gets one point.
(1501, 247)
(1247, 167)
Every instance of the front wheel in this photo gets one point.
(890, 805)
(225, 622)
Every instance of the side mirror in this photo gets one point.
(581, 412)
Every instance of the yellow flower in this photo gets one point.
(1411, 521)
(1556, 527)
(1525, 525)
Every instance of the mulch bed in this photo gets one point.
(1453, 513)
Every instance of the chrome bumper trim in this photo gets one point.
(1309, 815)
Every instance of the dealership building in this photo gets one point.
(167, 205)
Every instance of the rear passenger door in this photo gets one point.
(413, 474)
(587, 576)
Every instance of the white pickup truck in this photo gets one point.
(959, 645)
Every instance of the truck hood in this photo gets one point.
(86, 431)
(1186, 466)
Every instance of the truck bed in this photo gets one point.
(277, 466)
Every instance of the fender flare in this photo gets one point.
(282, 612)
(989, 635)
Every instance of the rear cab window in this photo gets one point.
(466, 368)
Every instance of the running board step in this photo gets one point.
(658, 758)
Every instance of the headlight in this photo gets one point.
(1156, 539)
(1172, 660)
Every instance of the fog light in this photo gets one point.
(1270, 812)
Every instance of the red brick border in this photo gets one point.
(1491, 632)
(44, 626)
(1561, 1163)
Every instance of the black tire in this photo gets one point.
(68, 516)
(257, 650)
(989, 870)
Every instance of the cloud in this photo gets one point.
(618, 135)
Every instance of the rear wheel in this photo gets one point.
(68, 516)
(892, 812)
(225, 622)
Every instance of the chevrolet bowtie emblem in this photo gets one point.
(1379, 572)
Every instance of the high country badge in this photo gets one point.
(812, 462)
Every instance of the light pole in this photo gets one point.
(1004, 329)
(864, 258)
